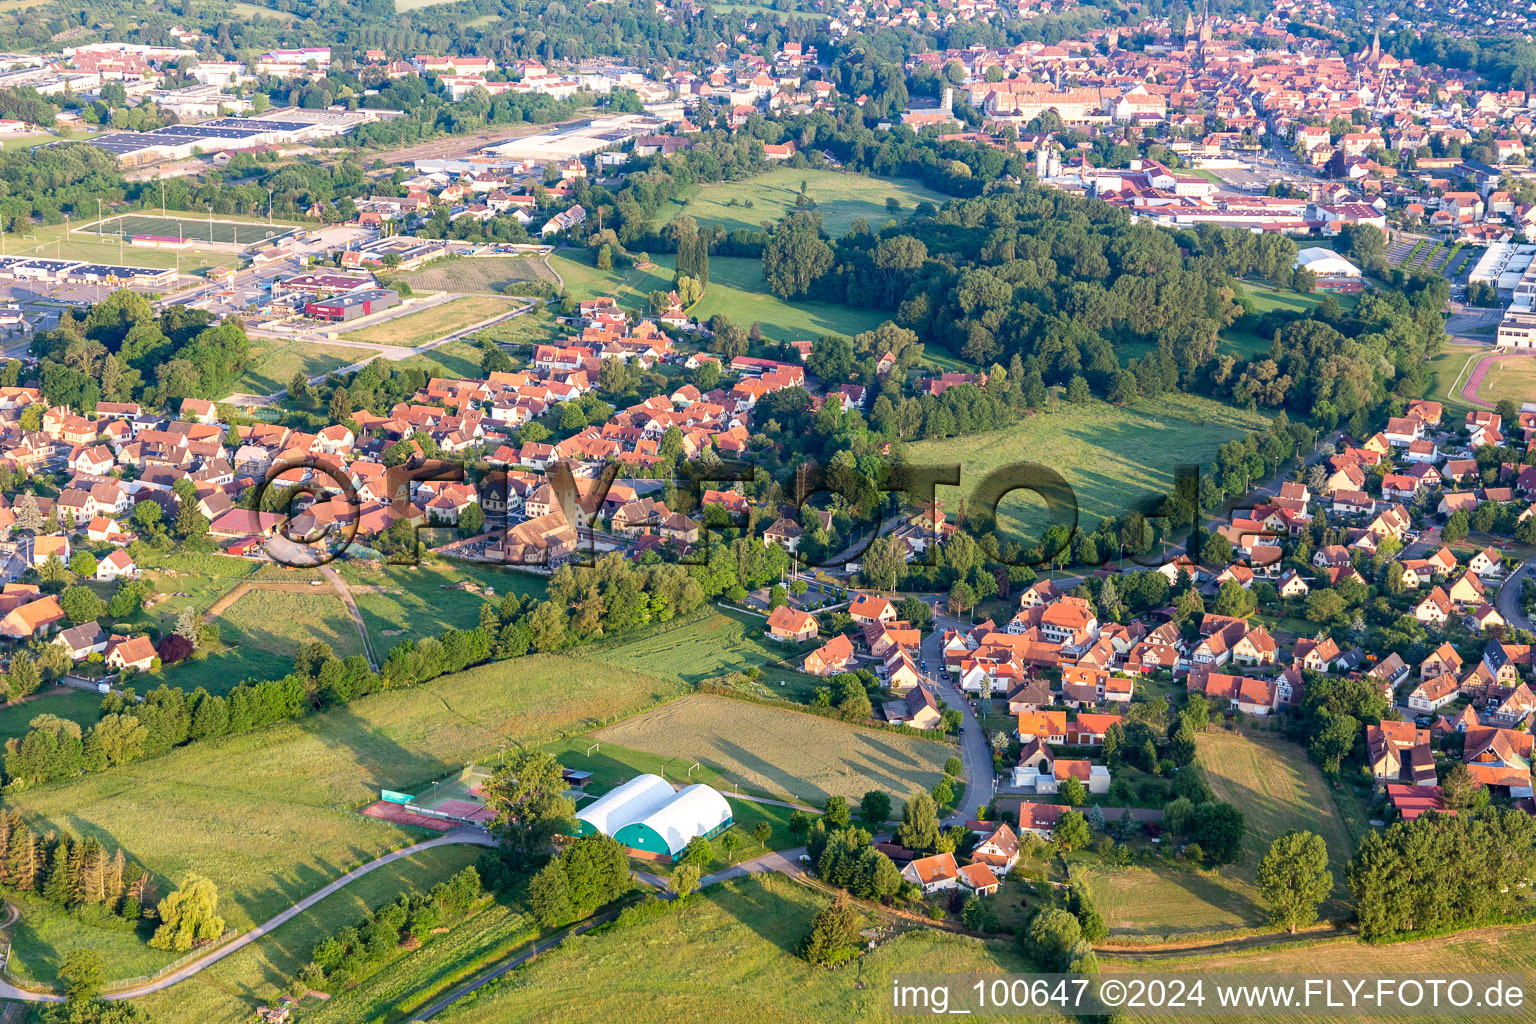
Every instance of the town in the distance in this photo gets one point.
(661, 510)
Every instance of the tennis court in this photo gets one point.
(441, 806)
(192, 228)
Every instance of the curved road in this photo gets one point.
(478, 837)
(1507, 600)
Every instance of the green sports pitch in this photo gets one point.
(194, 229)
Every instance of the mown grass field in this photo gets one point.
(711, 643)
(1278, 789)
(479, 274)
(279, 621)
(421, 327)
(274, 363)
(271, 816)
(76, 705)
(1111, 456)
(736, 288)
(229, 991)
(726, 956)
(457, 358)
(788, 753)
(401, 602)
(839, 198)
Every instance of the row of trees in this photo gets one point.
(70, 872)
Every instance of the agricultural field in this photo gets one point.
(1111, 456)
(1278, 789)
(419, 328)
(281, 820)
(401, 602)
(772, 751)
(839, 198)
(478, 274)
(727, 956)
(230, 990)
(273, 363)
(1513, 378)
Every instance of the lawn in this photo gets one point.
(839, 198)
(536, 327)
(76, 705)
(477, 274)
(1513, 378)
(457, 358)
(779, 752)
(271, 816)
(726, 956)
(429, 324)
(409, 602)
(230, 990)
(273, 363)
(1448, 372)
(1277, 788)
(736, 288)
(1111, 456)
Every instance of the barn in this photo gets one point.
(652, 820)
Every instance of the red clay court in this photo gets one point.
(386, 811)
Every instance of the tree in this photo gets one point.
(1218, 828)
(549, 896)
(834, 933)
(1077, 390)
(954, 767)
(528, 795)
(1052, 938)
(83, 972)
(189, 626)
(1178, 816)
(795, 256)
(1294, 878)
(83, 564)
(837, 812)
(80, 604)
(875, 807)
(919, 829)
(1459, 787)
(1071, 831)
(471, 520)
(1073, 793)
(189, 916)
(684, 881)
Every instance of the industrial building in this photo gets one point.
(39, 268)
(275, 128)
(1511, 270)
(352, 305)
(320, 283)
(578, 140)
(654, 821)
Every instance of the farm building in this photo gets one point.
(653, 820)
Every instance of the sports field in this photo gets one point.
(479, 274)
(429, 324)
(839, 198)
(1277, 788)
(783, 752)
(270, 816)
(59, 242)
(1513, 378)
(1111, 456)
(199, 229)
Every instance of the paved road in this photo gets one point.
(1507, 601)
(475, 836)
(975, 755)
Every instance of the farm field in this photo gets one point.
(274, 363)
(421, 327)
(1111, 456)
(783, 752)
(727, 956)
(840, 199)
(270, 816)
(229, 991)
(1513, 378)
(1278, 789)
(735, 288)
(478, 274)
(401, 602)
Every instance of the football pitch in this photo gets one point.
(196, 229)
